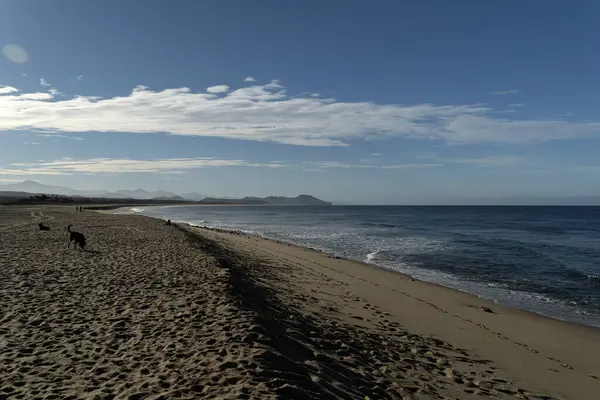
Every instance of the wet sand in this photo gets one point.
(155, 311)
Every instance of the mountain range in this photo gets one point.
(140, 194)
(26, 188)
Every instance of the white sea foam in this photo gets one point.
(371, 256)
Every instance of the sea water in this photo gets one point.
(541, 259)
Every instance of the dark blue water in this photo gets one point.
(542, 259)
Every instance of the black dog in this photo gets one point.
(77, 237)
(43, 227)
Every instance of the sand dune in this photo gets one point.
(155, 311)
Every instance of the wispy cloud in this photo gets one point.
(494, 161)
(505, 92)
(51, 89)
(218, 89)
(340, 164)
(516, 105)
(113, 166)
(249, 79)
(23, 172)
(58, 136)
(268, 113)
(79, 77)
(489, 160)
(334, 164)
(410, 166)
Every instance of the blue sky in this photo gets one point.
(378, 102)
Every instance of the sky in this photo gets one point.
(379, 102)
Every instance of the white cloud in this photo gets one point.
(8, 89)
(505, 92)
(274, 84)
(249, 79)
(24, 74)
(267, 113)
(173, 166)
(218, 89)
(80, 77)
(109, 165)
(376, 154)
(516, 105)
(33, 97)
(44, 83)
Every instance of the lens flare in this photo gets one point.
(15, 53)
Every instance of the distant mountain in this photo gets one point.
(193, 196)
(35, 187)
(39, 188)
(27, 188)
(302, 200)
(141, 194)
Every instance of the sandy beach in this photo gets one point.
(152, 311)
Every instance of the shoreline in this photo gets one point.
(487, 302)
(384, 268)
(160, 311)
(378, 267)
(539, 344)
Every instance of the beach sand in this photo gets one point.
(167, 312)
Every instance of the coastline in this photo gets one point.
(593, 323)
(469, 305)
(485, 301)
(182, 312)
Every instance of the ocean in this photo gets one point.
(541, 259)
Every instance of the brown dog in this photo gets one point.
(76, 237)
